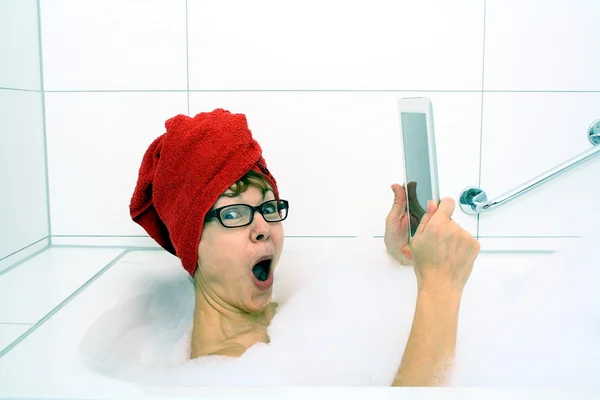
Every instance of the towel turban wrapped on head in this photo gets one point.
(183, 173)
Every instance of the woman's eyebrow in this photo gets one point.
(228, 195)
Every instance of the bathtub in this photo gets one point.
(46, 361)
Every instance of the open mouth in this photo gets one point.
(262, 269)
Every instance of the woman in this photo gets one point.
(205, 194)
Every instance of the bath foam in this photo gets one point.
(542, 330)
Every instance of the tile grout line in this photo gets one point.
(116, 91)
(187, 57)
(19, 90)
(29, 257)
(514, 237)
(24, 248)
(43, 93)
(107, 246)
(397, 90)
(287, 236)
(144, 236)
(518, 253)
(532, 237)
(62, 304)
(102, 236)
(481, 114)
(308, 90)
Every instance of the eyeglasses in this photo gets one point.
(238, 215)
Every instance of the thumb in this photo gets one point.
(399, 205)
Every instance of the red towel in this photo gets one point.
(183, 173)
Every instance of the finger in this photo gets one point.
(431, 209)
(445, 209)
(399, 205)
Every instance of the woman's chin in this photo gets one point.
(258, 303)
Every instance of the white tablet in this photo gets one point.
(420, 165)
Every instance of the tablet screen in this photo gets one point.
(418, 171)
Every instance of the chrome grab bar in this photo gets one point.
(473, 200)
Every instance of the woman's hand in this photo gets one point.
(443, 253)
(396, 228)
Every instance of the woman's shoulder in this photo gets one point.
(232, 350)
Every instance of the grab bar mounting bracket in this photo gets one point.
(595, 132)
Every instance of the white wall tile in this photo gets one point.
(23, 207)
(335, 154)
(526, 134)
(113, 44)
(401, 45)
(95, 155)
(533, 45)
(11, 332)
(19, 45)
(43, 282)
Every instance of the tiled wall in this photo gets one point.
(514, 85)
(24, 223)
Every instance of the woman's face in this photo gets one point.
(227, 256)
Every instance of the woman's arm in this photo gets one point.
(430, 348)
(443, 256)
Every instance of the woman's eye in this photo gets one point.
(269, 209)
(231, 214)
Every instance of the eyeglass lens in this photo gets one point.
(240, 214)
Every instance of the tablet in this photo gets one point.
(420, 165)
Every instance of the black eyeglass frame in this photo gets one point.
(216, 213)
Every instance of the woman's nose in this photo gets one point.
(260, 227)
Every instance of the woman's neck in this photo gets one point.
(217, 327)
